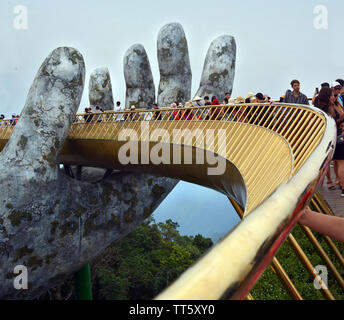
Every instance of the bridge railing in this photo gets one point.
(302, 127)
(233, 266)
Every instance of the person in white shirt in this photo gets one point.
(118, 109)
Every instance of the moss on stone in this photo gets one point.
(31, 111)
(54, 225)
(48, 257)
(22, 141)
(90, 225)
(34, 262)
(44, 70)
(66, 214)
(41, 170)
(16, 217)
(183, 46)
(79, 211)
(57, 279)
(180, 96)
(22, 252)
(75, 57)
(68, 228)
(223, 51)
(157, 192)
(56, 143)
(10, 275)
(148, 211)
(138, 52)
(118, 195)
(106, 80)
(216, 76)
(9, 206)
(129, 216)
(51, 157)
(166, 53)
(106, 194)
(93, 200)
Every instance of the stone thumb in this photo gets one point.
(47, 116)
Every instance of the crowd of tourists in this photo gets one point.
(330, 99)
(9, 122)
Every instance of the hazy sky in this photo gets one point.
(276, 40)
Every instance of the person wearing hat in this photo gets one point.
(239, 100)
(337, 89)
(264, 113)
(251, 96)
(132, 115)
(188, 114)
(295, 96)
(239, 112)
(198, 100)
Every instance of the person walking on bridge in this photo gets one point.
(295, 96)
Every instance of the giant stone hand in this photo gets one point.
(54, 224)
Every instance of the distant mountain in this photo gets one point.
(198, 210)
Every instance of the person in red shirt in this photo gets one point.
(215, 112)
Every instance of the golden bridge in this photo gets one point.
(274, 158)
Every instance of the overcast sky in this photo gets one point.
(276, 40)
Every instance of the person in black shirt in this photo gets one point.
(157, 113)
(206, 101)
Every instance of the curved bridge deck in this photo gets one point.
(262, 145)
(273, 156)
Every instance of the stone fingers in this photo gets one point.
(49, 111)
(138, 76)
(174, 65)
(100, 89)
(219, 68)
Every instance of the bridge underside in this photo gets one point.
(105, 155)
(235, 161)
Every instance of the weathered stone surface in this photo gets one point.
(33, 149)
(219, 68)
(54, 224)
(174, 65)
(50, 223)
(138, 78)
(100, 89)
